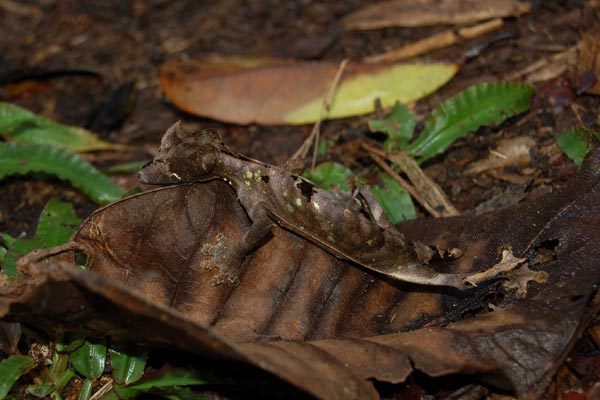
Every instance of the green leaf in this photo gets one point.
(329, 174)
(56, 224)
(41, 390)
(128, 362)
(324, 145)
(75, 342)
(125, 168)
(11, 369)
(8, 261)
(173, 378)
(63, 379)
(399, 127)
(165, 380)
(477, 106)
(576, 143)
(356, 95)
(5, 242)
(181, 393)
(89, 359)
(22, 159)
(86, 389)
(394, 199)
(22, 126)
(171, 393)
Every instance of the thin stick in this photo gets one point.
(439, 40)
(107, 387)
(314, 134)
(39, 254)
(409, 188)
(422, 188)
(431, 192)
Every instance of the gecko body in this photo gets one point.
(274, 196)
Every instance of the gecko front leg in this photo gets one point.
(227, 257)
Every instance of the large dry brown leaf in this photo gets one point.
(413, 13)
(321, 324)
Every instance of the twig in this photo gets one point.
(471, 32)
(314, 134)
(409, 188)
(39, 254)
(107, 387)
(566, 57)
(437, 41)
(422, 188)
(429, 190)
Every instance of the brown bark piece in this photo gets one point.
(413, 13)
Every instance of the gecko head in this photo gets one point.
(183, 156)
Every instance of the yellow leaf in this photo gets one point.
(356, 96)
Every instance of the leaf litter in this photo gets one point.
(548, 247)
(318, 322)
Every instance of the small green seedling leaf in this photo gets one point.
(399, 127)
(477, 106)
(164, 380)
(18, 248)
(89, 359)
(329, 174)
(128, 361)
(394, 199)
(20, 125)
(324, 145)
(6, 242)
(577, 143)
(41, 390)
(125, 168)
(173, 378)
(56, 224)
(53, 386)
(23, 159)
(11, 369)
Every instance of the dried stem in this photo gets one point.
(39, 254)
(314, 134)
(424, 190)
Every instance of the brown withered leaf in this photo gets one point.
(413, 13)
(323, 325)
(589, 57)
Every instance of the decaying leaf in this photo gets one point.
(509, 151)
(321, 324)
(589, 57)
(270, 91)
(413, 13)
